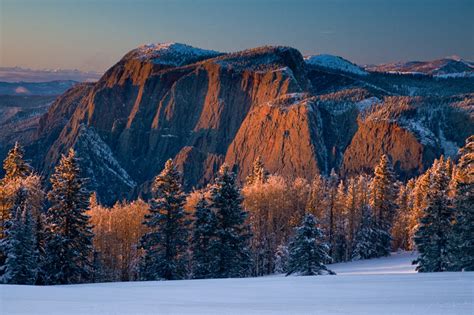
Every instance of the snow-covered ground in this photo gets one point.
(379, 286)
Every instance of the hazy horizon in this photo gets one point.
(93, 35)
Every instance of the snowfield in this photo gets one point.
(379, 286)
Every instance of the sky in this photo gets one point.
(92, 35)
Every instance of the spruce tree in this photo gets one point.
(281, 259)
(366, 237)
(233, 234)
(166, 243)
(21, 265)
(68, 243)
(14, 164)
(461, 245)
(204, 241)
(339, 244)
(431, 239)
(383, 197)
(307, 250)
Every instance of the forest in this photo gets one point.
(61, 234)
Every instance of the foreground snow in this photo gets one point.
(379, 286)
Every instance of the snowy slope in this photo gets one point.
(334, 62)
(379, 286)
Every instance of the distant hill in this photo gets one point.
(36, 88)
(18, 74)
(444, 68)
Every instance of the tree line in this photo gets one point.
(269, 224)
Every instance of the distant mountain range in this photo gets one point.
(35, 88)
(302, 115)
(444, 68)
(18, 74)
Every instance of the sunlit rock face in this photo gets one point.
(203, 108)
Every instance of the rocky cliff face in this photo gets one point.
(202, 108)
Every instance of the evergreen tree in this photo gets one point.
(339, 245)
(14, 164)
(204, 241)
(166, 243)
(20, 244)
(258, 174)
(353, 214)
(281, 259)
(383, 197)
(307, 250)
(462, 237)
(331, 205)
(366, 237)
(233, 234)
(400, 229)
(431, 238)
(68, 243)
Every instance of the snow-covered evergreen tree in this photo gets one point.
(383, 197)
(401, 225)
(166, 243)
(281, 259)
(461, 245)
(431, 239)
(14, 164)
(68, 249)
(329, 223)
(365, 241)
(258, 174)
(233, 234)
(339, 244)
(204, 241)
(21, 265)
(307, 250)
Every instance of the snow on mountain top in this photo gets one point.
(334, 62)
(175, 54)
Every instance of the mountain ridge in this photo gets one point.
(212, 108)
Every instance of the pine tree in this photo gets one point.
(204, 241)
(14, 164)
(353, 214)
(233, 234)
(166, 243)
(20, 244)
(307, 250)
(365, 242)
(461, 245)
(258, 174)
(400, 229)
(384, 193)
(281, 259)
(330, 221)
(68, 249)
(431, 238)
(339, 244)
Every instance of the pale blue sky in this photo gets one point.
(94, 34)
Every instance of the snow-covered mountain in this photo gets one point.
(173, 54)
(334, 62)
(203, 108)
(453, 66)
